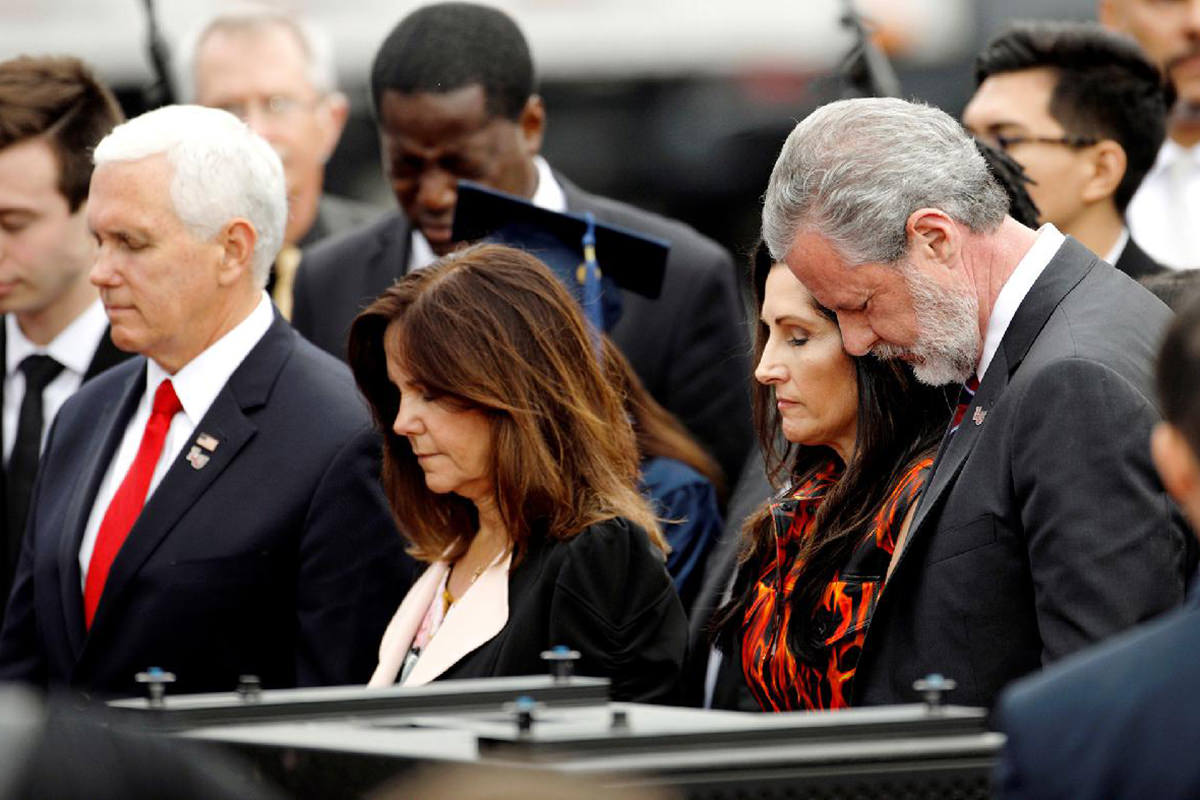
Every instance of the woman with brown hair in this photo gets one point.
(511, 466)
(851, 440)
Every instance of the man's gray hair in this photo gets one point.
(252, 18)
(855, 170)
(220, 170)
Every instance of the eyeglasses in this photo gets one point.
(1004, 142)
(276, 106)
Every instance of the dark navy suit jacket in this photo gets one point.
(278, 557)
(1119, 720)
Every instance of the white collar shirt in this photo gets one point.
(197, 385)
(1163, 214)
(1114, 253)
(74, 348)
(548, 195)
(1012, 294)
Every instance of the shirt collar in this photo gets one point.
(74, 347)
(198, 382)
(1114, 253)
(1049, 240)
(548, 195)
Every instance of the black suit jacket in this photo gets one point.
(1118, 720)
(1044, 527)
(604, 593)
(106, 355)
(689, 347)
(278, 557)
(1136, 262)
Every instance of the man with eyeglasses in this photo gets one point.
(277, 74)
(1084, 113)
(1164, 211)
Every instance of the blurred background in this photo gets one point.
(678, 106)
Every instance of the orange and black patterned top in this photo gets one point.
(778, 680)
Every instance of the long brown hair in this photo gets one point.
(491, 328)
(900, 422)
(657, 430)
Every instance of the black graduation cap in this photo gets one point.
(590, 258)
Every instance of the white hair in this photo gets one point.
(855, 170)
(220, 170)
(252, 18)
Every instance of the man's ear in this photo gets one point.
(237, 240)
(532, 123)
(1177, 467)
(933, 236)
(1108, 162)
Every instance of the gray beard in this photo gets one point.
(948, 341)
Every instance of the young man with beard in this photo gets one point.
(1044, 527)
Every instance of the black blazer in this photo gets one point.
(605, 593)
(1044, 527)
(689, 347)
(106, 355)
(278, 557)
(1136, 262)
(1119, 720)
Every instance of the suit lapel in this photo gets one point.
(230, 424)
(1068, 267)
(387, 260)
(474, 619)
(398, 637)
(94, 463)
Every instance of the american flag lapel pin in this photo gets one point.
(197, 458)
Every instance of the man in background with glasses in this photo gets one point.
(1084, 113)
(277, 74)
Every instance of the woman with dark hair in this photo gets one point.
(853, 439)
(510, 465)
(681, 480)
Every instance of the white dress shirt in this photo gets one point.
(548, 195)
(197, 384)
(1012, 294)
(1164, 215)
(74, 348)
(1114, 253)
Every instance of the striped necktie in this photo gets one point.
(965, 396)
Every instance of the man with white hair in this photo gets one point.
(276, 72)
(1043, 527)
(211, 508)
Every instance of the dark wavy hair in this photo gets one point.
(900, 422)
(491, 328)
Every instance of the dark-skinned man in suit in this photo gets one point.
(454, 93)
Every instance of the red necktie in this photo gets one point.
(131, 495)
(965, 396)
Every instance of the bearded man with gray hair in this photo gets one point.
(1044, 527)
(212, 507)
